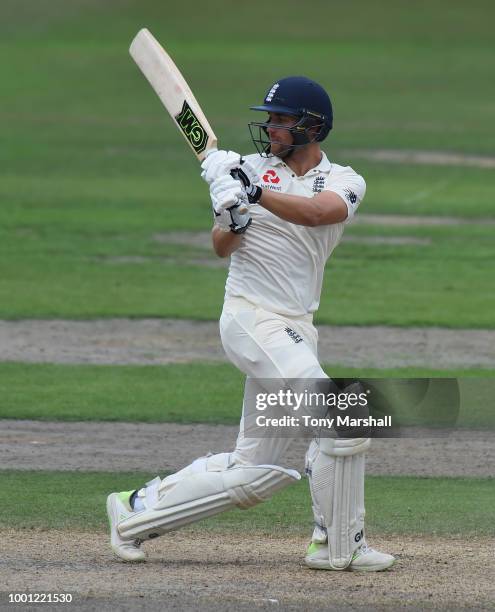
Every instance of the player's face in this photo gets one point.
(280, 137)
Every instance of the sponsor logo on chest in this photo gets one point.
(271, 180)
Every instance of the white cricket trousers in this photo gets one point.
(263, 344)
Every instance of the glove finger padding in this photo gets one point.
(219, 163)
(232, 219)
(226, 192)
(240, 221)
(222, 220)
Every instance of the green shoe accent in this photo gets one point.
(124, 497)
(314, 547)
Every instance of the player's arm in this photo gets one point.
(324, 208)
(228, 200)
(225, 243)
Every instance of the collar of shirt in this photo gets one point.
(323, 166)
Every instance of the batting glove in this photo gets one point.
(219, 163)
(246, 174)
(231, 220)
(226, 192)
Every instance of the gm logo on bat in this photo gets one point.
(192, 128)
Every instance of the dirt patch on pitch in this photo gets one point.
(162, 341)
(206, 260)
(419, 221)
(189, 570)
(203, 239)
(154, 448)
(423, 158)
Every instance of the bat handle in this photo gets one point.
(207, 152)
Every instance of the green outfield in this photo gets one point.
(94, 176)
(81, 259)
(164, 394)
(92, 167)
(395, 505)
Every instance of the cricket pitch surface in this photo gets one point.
(188, 570)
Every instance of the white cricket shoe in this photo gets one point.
(365, 558)
(118, 509)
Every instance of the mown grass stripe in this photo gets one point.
(395, 505)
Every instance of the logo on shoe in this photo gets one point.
(359, 536)
(271, 177)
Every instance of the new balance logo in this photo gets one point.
(351, 196)
(293, 335)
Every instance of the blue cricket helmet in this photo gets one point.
(301, 97)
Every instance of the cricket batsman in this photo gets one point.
(298, 205)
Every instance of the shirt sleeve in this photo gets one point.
(351, 187)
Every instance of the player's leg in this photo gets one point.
(208, 486)
(335, 468)
(118, 508)
(259, 345)
(263, 346)
(266, 346)
(219, 482)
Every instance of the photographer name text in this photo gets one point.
(323, 422)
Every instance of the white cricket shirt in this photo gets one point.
(279, 265)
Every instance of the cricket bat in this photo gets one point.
(174, 93)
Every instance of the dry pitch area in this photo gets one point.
(159, 447)
(162, 341)
(187, 570)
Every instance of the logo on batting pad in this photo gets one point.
(192, 128)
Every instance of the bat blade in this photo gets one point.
(174, 93)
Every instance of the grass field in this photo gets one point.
(92, 171)
(93, 168)
(395, 505)
(72, 264)
(155, 394)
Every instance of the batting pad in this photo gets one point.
(336, 472)
(202, 494)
